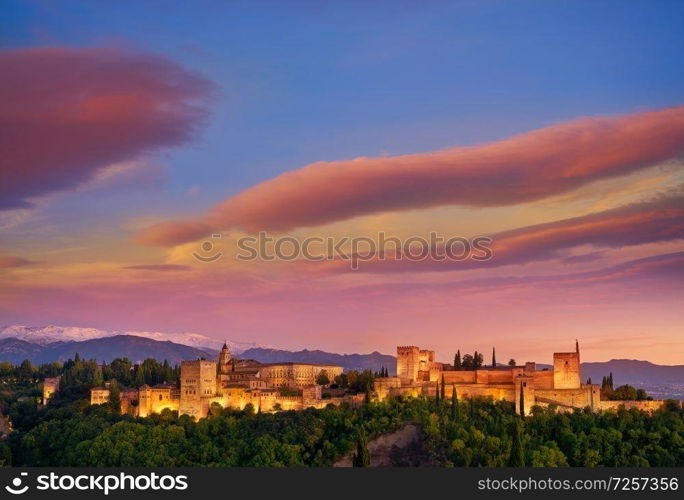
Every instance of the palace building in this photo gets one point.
(231, 383)
(234, 383)
(419, 374)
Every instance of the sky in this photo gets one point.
(131, 132)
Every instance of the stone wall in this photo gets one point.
(639, 405)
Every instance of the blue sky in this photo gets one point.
(575, 111)
(300, 82)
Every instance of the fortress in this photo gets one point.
(234, 383)
(419, 374)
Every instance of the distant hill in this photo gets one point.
(632, 371)
(50, 334)
(373, 361)
(107, 348)
(659, 380)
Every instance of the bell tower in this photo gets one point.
(224, 359)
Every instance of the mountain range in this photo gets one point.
(51, 343)
(106, 349)
(50, 334)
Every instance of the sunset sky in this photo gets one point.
(132, 131)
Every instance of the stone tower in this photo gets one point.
(408, 363)
(198, 386)
(566, 369)
(224, 359)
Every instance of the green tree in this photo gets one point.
(627, 393)
(115, 396)
(367, 398)
(494, 357)
(517, 456)
(454, 403)
(511, 362)
(478, 360)
(362, 456)
(457, 361)
(322, 378)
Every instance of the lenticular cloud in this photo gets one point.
(523, 168)
(65, 113)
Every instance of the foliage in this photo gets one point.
(475, 432)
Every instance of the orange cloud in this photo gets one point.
(8, 261)
(65, 113)
(523, 168)
(653, 221)
(157, 267)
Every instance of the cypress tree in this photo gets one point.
(115, 396)
(361, 457)
(517, 457)
(494, 357)
(367, 397)
(443, 394)
(457, 361)
(437, 393)
(522, 400)
(454, 404)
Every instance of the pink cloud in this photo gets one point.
(640, 295)
(523, 168)
(65, 113)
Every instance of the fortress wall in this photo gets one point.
(500, 376)
(383, 386)
(576, 398)
(495, 391)
(543, 379)
(460, 377)
(639, 405)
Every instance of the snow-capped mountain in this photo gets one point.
(50, 334)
